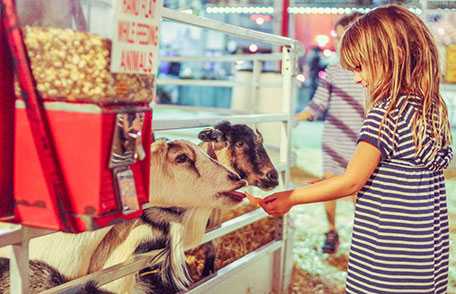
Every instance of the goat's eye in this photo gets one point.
(182, 158)
(240, 144)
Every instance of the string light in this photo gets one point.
(327, 52)
(301, 78)
(270, 10)
(292, 10)
(259, 21)
(321, 40)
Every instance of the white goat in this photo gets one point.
(180, 171)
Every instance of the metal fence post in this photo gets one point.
(283, 257)
(255, 85)
(19, 265)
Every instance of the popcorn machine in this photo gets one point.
(80, 101)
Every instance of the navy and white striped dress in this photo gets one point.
(400, 241)
(343, 101)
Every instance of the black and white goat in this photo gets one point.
(184, 176)
(186, 185)
(241, 149)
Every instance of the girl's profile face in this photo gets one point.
(361, 77)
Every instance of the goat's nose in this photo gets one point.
(272, 175)
(234, 177)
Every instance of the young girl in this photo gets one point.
(400, 233)
(342, 100)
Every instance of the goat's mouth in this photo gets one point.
(234, 195)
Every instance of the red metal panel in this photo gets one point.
(6, 127)
(36, 114)
(62, 178)
(83, 143)
(285, 18)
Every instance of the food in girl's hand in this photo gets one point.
(252, 199)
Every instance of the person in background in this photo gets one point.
(400, 239)
(315, 66)
(310, 65)
(341, 101)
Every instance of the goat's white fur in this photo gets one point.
(72, 254)
(69, 253)
(122, 253)
(195, 221)
(184, 235)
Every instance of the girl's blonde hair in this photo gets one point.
(397, 51)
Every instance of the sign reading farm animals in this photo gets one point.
(135, 39)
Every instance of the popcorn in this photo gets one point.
(71, 65)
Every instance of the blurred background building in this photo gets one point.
(311, 22)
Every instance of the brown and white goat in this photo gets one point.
(181, 171)
(241, 149)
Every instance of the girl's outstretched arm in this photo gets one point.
(363, 163)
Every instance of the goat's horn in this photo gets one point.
(259, 136)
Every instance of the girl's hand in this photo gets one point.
(303, 116)
(277, 204)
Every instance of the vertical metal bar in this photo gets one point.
(288, 72)
(255, 90)
(289, 90)
(285, 18)
(282, 257)
(89, 15)
(277, 26)
(255, 86)
(7, 100)
(277, 17)
(38, 120)
(425, 8)
(78, 15)
(292, 25)
(19, 270)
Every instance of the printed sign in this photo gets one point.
(135, 39)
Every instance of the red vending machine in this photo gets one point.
(84, 80)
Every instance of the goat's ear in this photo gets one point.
(164, 139)
(160, 145)
(225, 127)
(211, 135)
(259, 137)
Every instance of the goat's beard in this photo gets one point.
(195, 222)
